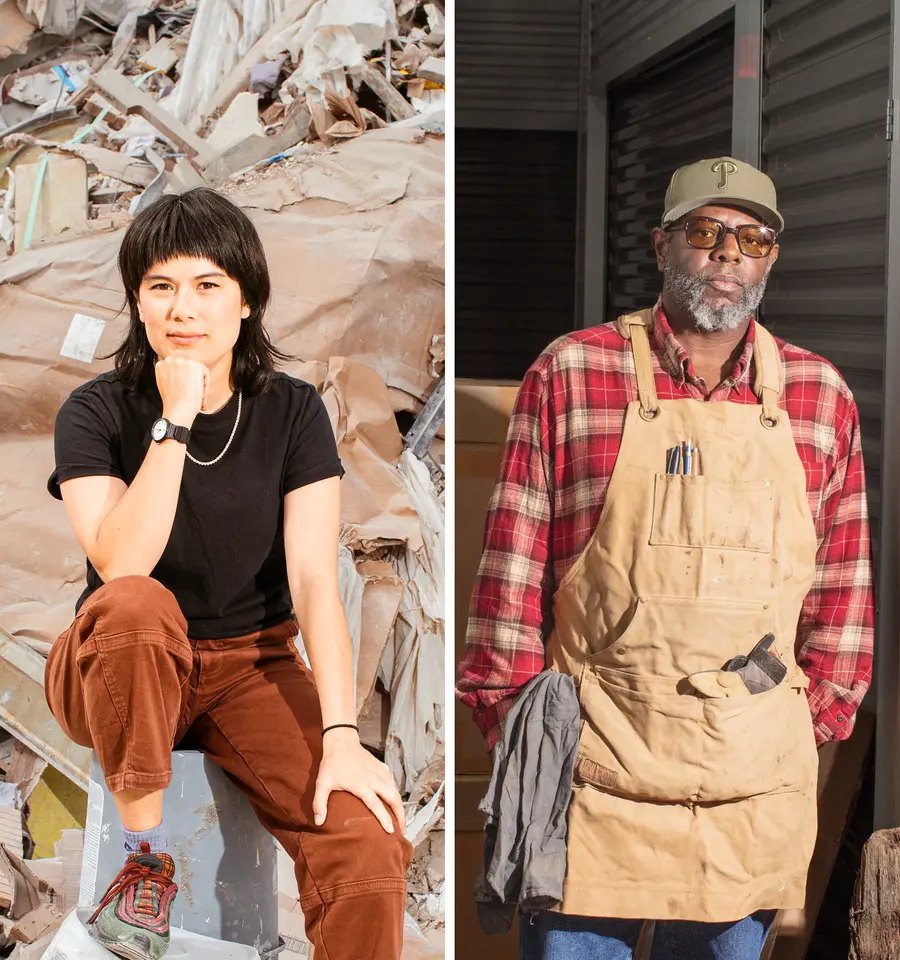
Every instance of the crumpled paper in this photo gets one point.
(53, 16)
(333, 36)
(15, 30)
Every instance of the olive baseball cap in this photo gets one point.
(724, 181)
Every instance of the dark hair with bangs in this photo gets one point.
(203, 224)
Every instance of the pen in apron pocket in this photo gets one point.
(687, 458)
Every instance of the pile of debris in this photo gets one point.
(324, 121)
(145, 98)
(38, 886)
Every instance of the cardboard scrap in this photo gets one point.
(37, 923)
(121, 166)
(26, 769)
(376, 507)
(10, 839)
(15, 30)
(26, 888)
(380, 602)
(70, 847)
(62, 201)
(11, 830)
(49, 871)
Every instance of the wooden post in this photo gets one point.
(875, 914)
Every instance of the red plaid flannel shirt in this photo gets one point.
(561, 449)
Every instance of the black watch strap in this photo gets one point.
(181, 434)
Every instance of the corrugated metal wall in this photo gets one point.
(616, 24)
(617, 21)
(519, 67)
(518, 64)
(516, 247)
(676, 112)
(826, 66)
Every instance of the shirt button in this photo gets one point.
(840, 718)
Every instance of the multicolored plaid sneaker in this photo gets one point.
(132, 919)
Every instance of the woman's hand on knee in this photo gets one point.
(347, 765)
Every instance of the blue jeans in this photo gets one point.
(557, 936)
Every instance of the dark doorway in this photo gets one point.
(675, 112)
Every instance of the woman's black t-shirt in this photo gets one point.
(225, 558)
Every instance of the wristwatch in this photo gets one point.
(163, 429)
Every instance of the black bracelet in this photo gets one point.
(334, 726)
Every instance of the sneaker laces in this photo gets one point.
(134, 872)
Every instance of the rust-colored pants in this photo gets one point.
(126, 680)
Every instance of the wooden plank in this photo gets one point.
(259, 147)
(378, 83)
(63, 201)
(132, 100)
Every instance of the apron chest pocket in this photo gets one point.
(705, 512)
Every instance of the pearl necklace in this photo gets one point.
(237, 420)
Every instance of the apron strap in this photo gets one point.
(768, 383)
(635, 327)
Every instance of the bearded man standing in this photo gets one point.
(680, 525)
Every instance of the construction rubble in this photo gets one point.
(324, 121)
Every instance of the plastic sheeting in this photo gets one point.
(221, 33)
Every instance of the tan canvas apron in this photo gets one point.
(690, 805)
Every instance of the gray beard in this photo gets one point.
(687, 290)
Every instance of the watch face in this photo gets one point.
(158, 430)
